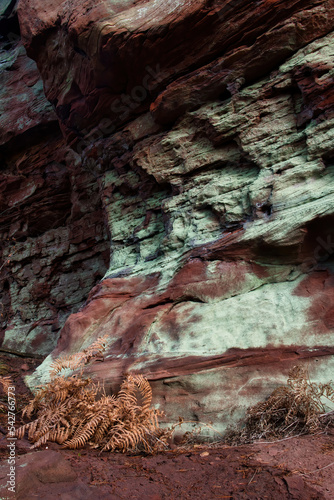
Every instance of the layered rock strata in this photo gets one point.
(54, 244)
(203, 138)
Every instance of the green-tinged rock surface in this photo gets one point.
(193, 204)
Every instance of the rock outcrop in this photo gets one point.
(54, 244)
(199, 147)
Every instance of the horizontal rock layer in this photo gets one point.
(204, 148)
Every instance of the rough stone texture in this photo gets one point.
(206, 133)
(35, 469)
(54, 244)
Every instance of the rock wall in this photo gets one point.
(199, 147)
(54, 244)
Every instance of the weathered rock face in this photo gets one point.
(204, 143)
(54, 244)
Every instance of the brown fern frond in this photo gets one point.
(129, 438)
(122, 439)
(62, 435)
(101, 431)
(32, 428)
(19, 433)
(62, 363)
(83, 434)
(29, 409)
(145, 391)
(70, 410)
(42, 440)
(6, 382)
(133, 388)
(77, 360)
(97, 347)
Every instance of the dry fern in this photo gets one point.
(4, 368)
(6, 382)
(133, 424)
(300, 407)
(69, 411)
(77, 360)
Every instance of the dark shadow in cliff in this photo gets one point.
(9, 23)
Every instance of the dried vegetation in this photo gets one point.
(300, 407)
(74, 411)
(5, 383)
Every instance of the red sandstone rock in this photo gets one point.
(204, 140)
(36, 204)
(35, 469)
(132, 50)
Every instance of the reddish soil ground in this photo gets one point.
(299, 468)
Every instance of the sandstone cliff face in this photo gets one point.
(54, 245)
(199, 148)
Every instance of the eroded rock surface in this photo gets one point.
(54, 244)
(204, 144)
(34, 470)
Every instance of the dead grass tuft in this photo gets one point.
(300, 407)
